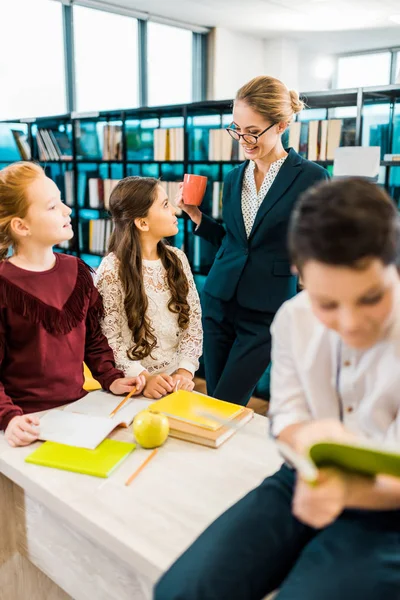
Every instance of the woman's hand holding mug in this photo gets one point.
(190, 196)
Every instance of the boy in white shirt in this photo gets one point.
(335, 374)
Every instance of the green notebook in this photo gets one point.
(360, 458)
(363, 459)
(99, 462)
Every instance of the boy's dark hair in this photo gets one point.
(344, 222)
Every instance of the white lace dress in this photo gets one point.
(176, 349)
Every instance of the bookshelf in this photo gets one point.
(87, 153)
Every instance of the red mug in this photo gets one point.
(194, 187)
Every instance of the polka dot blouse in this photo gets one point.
(251, 201)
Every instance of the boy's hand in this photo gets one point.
(158, 385)
(21, 430)
(125, 384)
(321, 431)
(320, 504)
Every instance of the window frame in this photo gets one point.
(199, 50)
(393, 50)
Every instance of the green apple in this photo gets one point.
(150, 429)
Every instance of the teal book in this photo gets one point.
(99, 462)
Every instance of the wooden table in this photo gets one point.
(65, 535)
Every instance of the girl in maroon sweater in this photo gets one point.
(49, 308)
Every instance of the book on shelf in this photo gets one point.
(69, 188)
(313, 140)
(112, 142)
(217, 191)
(63, 144)
(176, 143)
(220, 145)
(303, 141)
(99, 235)
(323, 137)
(96, 192)
(294, 135)
(172, 189)
(333, 137)
(169, 144)
(108, 186)
(53, 145)
(21, 140)
(318, 140)
(99, 192)
(392, 157)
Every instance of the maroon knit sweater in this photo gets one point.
(49, 325)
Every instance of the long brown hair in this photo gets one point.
(14, 181)
(132, 199)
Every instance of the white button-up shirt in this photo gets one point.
(251, 199)
(316, 376)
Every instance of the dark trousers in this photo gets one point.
(237, 348)
(257, 546)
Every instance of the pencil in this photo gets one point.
(124, 401)
(142, 466)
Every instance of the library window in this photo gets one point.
(32, 59)
(169, 64)
(363, 70)
(106, 60)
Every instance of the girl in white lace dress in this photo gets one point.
(152, 314)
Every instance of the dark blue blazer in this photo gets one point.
(256, 271)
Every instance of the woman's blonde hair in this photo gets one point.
(270, 98)
(14, 181)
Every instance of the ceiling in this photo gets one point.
(317, 24)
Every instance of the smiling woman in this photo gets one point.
(251, 276)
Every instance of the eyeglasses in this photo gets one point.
(249, 138)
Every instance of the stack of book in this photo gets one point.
(200, 419)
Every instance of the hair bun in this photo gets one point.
(297, 104)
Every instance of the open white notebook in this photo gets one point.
(86, 422)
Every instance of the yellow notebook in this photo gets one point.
(185, 406)
(99, 462)
(90, 383)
